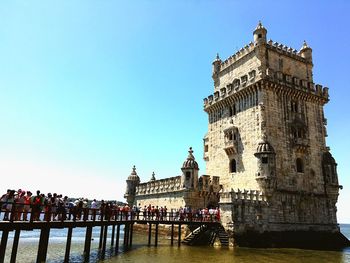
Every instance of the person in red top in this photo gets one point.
(27, 202)
(37, 202)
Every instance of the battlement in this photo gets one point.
(237, 56)
(285, 50)
(160, 186)
(245, 81)
(238, 195)
(275, 46)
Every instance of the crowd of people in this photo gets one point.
(22, 205)
(152, 212)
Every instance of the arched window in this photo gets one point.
(233, 166)
(230, 136)
(300, 165)
(294, 106)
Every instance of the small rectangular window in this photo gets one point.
(264, 160)
(206, 148)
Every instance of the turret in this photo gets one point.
(259, 34)
(216, 66)
(265, 176)
(306, 52)
(153, 177)
(190, 169)
(330, 175)
(131, 183)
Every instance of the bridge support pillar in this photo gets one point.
(179, 236)
(117, 239)
(172, 234)
(101, 238)
(15, 246)
(131, 233)
(43, 243)
(105, 233)
(126, 235)
(113, 233)
(156, 236)
(69, 241)
(3, 244)
(149, 233)
(87, 244)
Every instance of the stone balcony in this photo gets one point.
(301, 144)
(231, 147)
(206, 156)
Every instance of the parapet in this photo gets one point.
(285, 50)
(275, 76)
(233, 87)
(170, 184)
(237, 56)
(299, 84)
(237, 195)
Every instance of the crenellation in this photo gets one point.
(159, 186)
(250, 79)
(285, 50)
(223, 92)
(230, 61)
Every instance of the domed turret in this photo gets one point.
(131, 183)
(330, 177)
(259, 34)
(306, 52)
(265, 174)
(190, 162)
(133, 175)
(216, 66)
(329, 166)
(190, 171)
(264, 147)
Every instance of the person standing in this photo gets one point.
(27, 202)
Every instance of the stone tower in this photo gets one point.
(266, 141)
(131, 183)
(190, 172)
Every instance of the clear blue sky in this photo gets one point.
(90, 88)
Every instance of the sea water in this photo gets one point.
(164, 252)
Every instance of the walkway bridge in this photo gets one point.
(89, 218)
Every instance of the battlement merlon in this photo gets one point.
(236, 91)
(263, 55)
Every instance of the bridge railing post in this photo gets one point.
(94, 215)
(85, 214)
(13, 212)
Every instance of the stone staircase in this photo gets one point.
(195, 235)
(205, 235)
(223, 236)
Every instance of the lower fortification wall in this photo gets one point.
(243, 211)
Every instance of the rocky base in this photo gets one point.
(293, 239)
